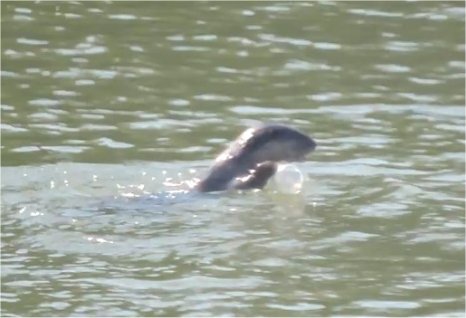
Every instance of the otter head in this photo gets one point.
(276, 143)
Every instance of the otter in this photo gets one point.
(251, 160)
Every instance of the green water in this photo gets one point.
(107, 107)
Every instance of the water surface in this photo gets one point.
(108, 109)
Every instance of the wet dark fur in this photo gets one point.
(251, 159)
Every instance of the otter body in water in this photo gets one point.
(252, 158)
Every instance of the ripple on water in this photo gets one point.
(59, 149)
(324, 97)
(26, 149)
(272, 38)
(205, 37)
(86, 50)
(110, 143)
(258, 110)
(419, 98)
(163, 123)
(9, 74)
(65, 93)
(377, 13)
(402, 46)
(95, 127)
(27, 41)
(54, 128)
(12, 128)
(22, 17)
(300, 65)
(213, 97)
(84, 82)
(189, 48)
(78, 72)
(43, 116)
(393, 68)
(425, 81)
(384, 305)
(23, 10)
(326, 46)
(122, 17)
(179, 102)
(5, 107)
(44, 102)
